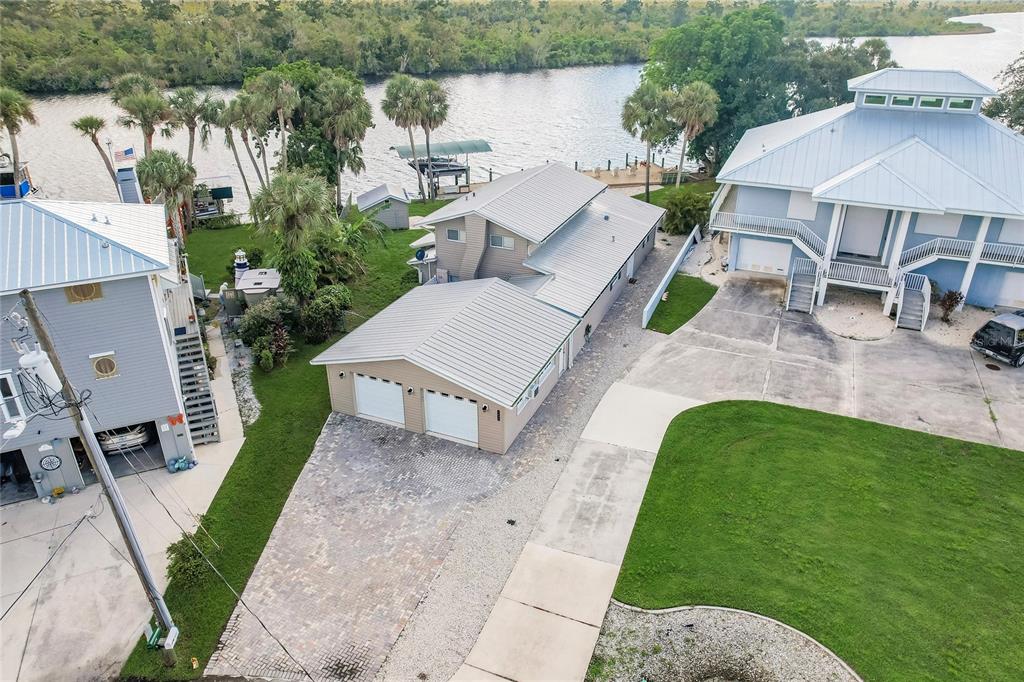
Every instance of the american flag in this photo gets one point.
(124, 154)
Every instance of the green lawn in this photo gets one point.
(659, 197)
(686, 296)
(418, 208)
(295, 404)
(211, 251)
(899, 550)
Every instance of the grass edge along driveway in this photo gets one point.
(687, 295)
(897, 549)
(243, 513)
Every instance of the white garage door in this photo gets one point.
(379, 399)
(764, 256)
(451, 416)
(1011, 293)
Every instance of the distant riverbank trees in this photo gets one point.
(79, 45)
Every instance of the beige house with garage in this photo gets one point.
(517, 276)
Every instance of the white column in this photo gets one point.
(894, 260)
(830, 246)
(972, 264)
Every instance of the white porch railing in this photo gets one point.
(775, 227)
(859, 274)
(942, 247)
(913, 281)
(677, 263)
(1007, 254)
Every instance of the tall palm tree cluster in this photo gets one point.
(658, 117)
(410, 104)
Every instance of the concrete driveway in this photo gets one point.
(743, 345)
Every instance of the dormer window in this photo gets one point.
(903, 100)
(932, 102)
(961, 103)
(875, 100)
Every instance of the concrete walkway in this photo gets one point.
(83, 615)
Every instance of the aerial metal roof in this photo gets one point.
(920, 82)
(53, 243)
(380, 193)
(485, 335)
(588, 252)
(532, 203)
(966, 163)
(444, 148)
(429, 239)
(259, 280)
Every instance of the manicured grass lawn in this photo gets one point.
(659, 197)
(211, 251)
(295, 404)
(899, 550)
(686, 296)
(418, 208)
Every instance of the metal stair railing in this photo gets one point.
(1007, 254)
(766, 225)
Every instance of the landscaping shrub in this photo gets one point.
(259, 320)
(949, 302)
(684, 210)
(184, 563)
(266, 360)
(325, 314)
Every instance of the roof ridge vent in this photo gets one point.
(106, 220)
(94, 218)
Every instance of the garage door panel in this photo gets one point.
(380, 399)
(1011, 292)
(451, 416)
(771, 257)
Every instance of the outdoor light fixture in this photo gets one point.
(341, 375)
(409, 390)
(483, 409)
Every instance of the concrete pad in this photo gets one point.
(816, 388)
(567, 584)
(1011, 423)
(735, 325)
(520, 642)
(702, 374)
(1005, 384)
(467, 673)
(594, 504)
(812, 341)
(751, 294)
(924, 408)
(906, 358)
(635, 417)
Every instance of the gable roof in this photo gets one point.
(53, 243)
(588, 252)
(532, 203)
(962, 162)
(371, 198)
(485, 335)
(920, 82)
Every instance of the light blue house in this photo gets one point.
(905, 191)
(117, 299)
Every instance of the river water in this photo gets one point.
(570, 115)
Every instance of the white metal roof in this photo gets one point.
(51, 243)
(429, 239)
(485, 335)
(532, 203)
(371, 198)
(588, 252)
(259, 279)
(920, 82)
(948, 157)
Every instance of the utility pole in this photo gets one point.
(99, 465)
(110, 153)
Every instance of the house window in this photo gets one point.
(932, 102)
(875, 100)
(903, 100)
(961, 103)
(80, 293)
(10, 403)
(104, 365)
(455, 234)
(500, 241)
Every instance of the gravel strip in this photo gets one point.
(486, 546)
(240, 365)
(706, 643)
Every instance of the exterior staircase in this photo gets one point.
(803, 286)
(914, 302)
(200, 409)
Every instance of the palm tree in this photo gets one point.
(15, 111)
(292, 207)
(187, 109)
(433, 115)
(402, 104)
(240, 111)
(347, 116)
(166, 173)
(130, 84)
(90, 126)
(220, 114)
(282, 97)
(693, 109)
(645, 115)
(147, 111)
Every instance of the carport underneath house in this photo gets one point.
(467, 361)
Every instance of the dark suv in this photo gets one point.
(1002, 338)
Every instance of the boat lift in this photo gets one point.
(444, 161)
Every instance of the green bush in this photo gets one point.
(338, 294)
(684, 210)
(411, 277)
(184, 563)
(325, 314)
(260, 319)
(266, 360)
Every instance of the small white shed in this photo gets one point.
(392, 203)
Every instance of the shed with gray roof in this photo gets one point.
(390, 201)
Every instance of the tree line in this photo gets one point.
(80, 45)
